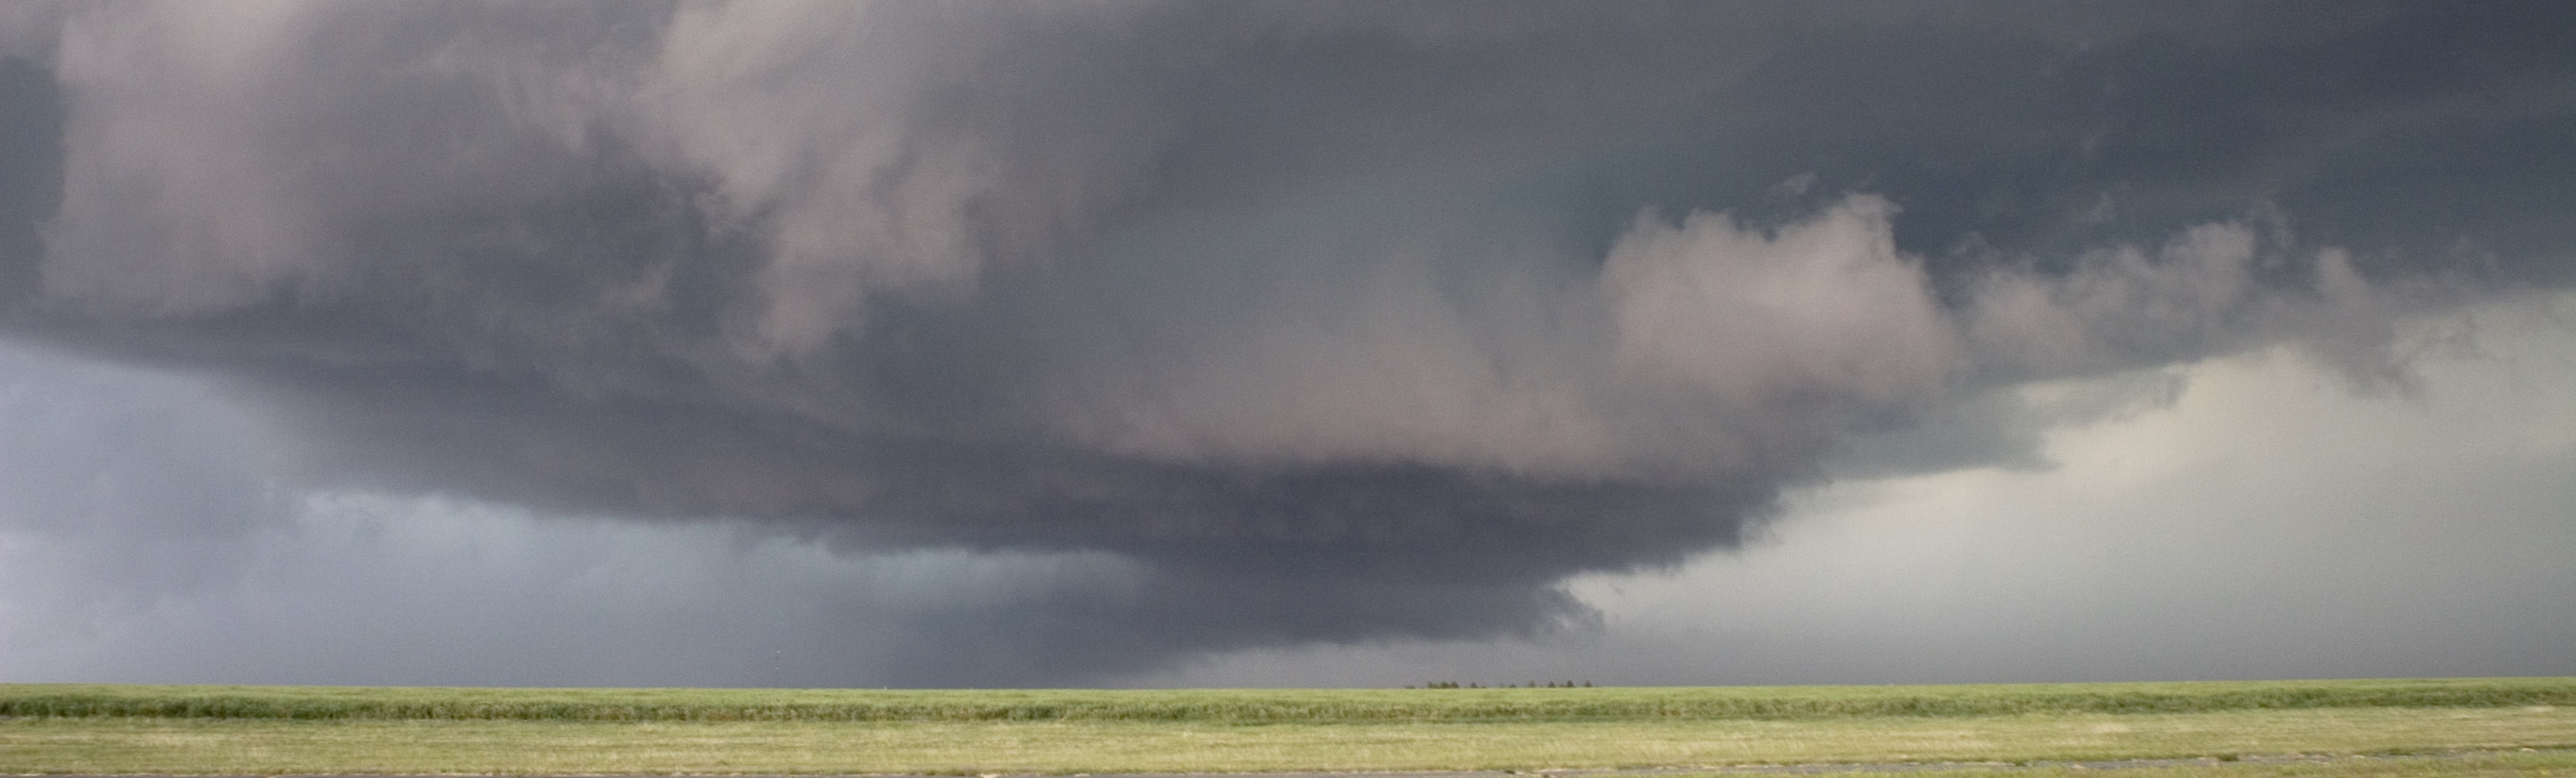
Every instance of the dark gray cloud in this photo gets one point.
(1338, 322)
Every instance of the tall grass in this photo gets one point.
(1251, 706)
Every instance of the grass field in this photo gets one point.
(2480, 766)
(272, 730)
(1314, 706)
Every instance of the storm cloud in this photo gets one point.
(1325, 322)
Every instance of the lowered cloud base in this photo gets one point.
(1203, 328)
(2264, 520)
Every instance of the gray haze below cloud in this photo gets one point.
(2247, 521)
(1305, 322)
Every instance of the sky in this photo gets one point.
(976, 344)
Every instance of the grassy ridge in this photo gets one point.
(1258, 705)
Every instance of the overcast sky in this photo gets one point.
(1312, 344)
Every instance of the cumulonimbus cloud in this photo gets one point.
(1347, 322)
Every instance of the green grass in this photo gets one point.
(2479, 766)
(278, 730)
(1263, 705)
(235, 746)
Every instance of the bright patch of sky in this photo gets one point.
(2270, 522)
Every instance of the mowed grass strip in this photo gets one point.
(1261, 705)
(276, 746)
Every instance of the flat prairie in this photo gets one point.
(2251, 728)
